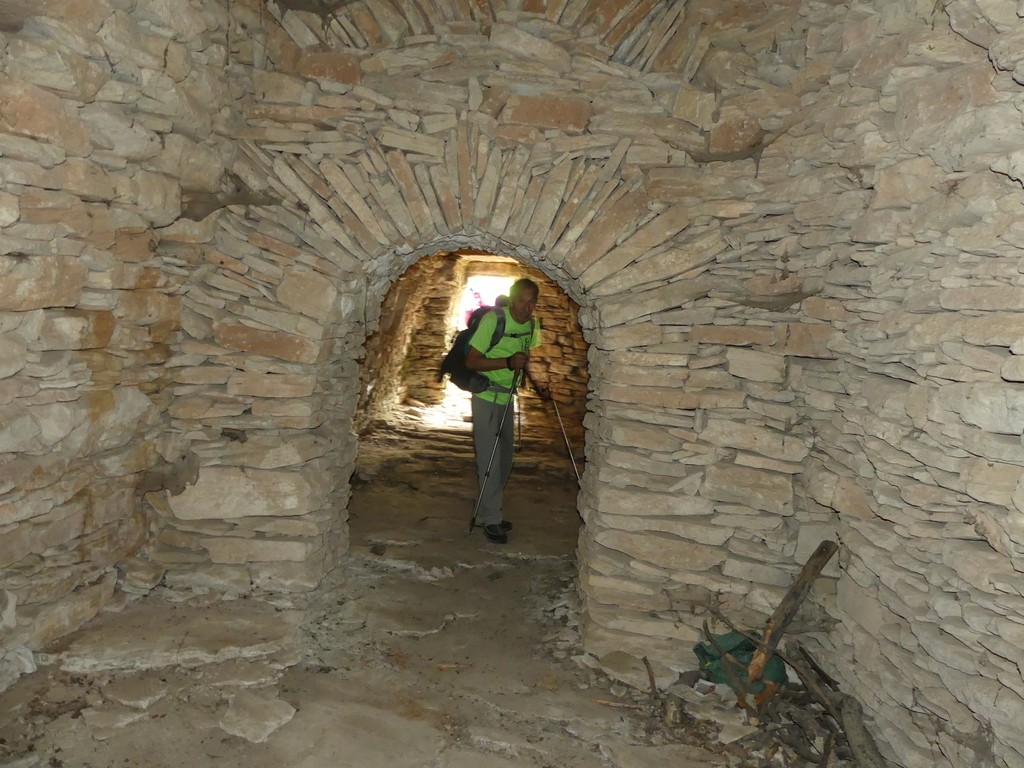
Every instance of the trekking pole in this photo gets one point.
(565, 436)
(567, 446)
(494, 450)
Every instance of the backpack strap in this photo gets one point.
(499, 331)
(499, 327)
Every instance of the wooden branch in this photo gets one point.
(795, 654)
(863, 746)
(826, 752)
(830, 681)
(654, 685)
(787, 609)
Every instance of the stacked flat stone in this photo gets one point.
(792, 230)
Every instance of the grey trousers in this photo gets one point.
(486, 417)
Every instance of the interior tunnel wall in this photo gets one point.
(792, 231)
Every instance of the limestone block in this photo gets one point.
(735, 132)
(182, 19)
(997, 408)
(692, 529)
(184, 407)
(672, 397)
(568, 114)
(754, 488)
(990, 481)
(661, 228)
(75, 329)
(309, 293)
(694, 106)
(271, 384)
(804, 340)
(201, 374)
(225, 493)
(734, 335)
(48, 622)
(660, 267)
(34, 282)
(964, 105)
(278, 344)
(411, 141)
(238, 551)
(103, 419)
(198, 167)
(55, 68)
(10, 209)
(18, 430)
(73, 27)
(111, 128)
(642, 462)
(1007, 50)
(255, 715)
(825, 309)
(989, 298)
(514, 40)
(756, 366)
(691, 185)
(338, 66)
(757, 439)
(618, 501)
(158, 197)
(27, 110)
(649, 438)
(13, 352)
(1012, 369)
(745, 570)
(902, 184)
(663, 550)
(288, 322)
(147, 307)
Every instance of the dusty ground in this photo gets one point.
(428, 647)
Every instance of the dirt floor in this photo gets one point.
(428, 647)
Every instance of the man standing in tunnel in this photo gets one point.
(505, 366)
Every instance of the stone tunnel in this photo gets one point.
(784, 239)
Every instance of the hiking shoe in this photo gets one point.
(495, 534)
(505, 525)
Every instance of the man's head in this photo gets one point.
(523, 299)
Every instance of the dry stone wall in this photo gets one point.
(101, 133)
(403, 355)
(791, 228)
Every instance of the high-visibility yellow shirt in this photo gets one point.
(517, 338)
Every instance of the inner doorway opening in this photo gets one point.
(415, 478)
(420, 316)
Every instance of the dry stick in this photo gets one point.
(728, 664)
(857, 736)
(787, 609)
(619, 704)
(654, 686)
(829, 680)
(826, 752)
(795, 654)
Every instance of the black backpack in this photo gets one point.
(454, 363)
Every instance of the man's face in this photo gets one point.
(523, 304)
